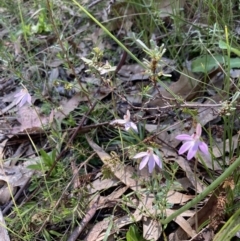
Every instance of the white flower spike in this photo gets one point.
(126, 121)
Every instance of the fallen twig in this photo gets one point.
(89, 214)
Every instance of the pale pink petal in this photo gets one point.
(203, 147)
(184, 137)
(144, 162)
(127, 116)
(29, 99)
(151, 164)
(141, 154)
(22, 102)
(22, 97)
(157, 160)
(198, 130)
(186, 146)
(133, 126)
(19, 94)
(127, 126)
(192, 151)
(130, 125)
(118, 121)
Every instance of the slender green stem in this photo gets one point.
(119, 43)
(106, 31)
(206, 192)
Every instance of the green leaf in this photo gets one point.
(133, 234)
(228, 231)
(223, 45)
(234, 63)
(53, 155)
(107, 234)
(206, 63)
(47, 160)
(36, 167)
(55, 233)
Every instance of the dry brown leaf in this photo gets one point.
(206, 114)
(11, 178)
(2, 146)
(147, 204)
(182, 223)
(218, 148)
(132, 72)
(116, 194)
(92, 208)
(113, 199)
(102, 184)
(68, 105)
(6, 192)
(152, 229)
(30, 120)
(175, 197)
(151, 128)
(31, 72)
(209, 163)
(191, 176)
(122, 221)
(173, 237)
(185, 183)
(76, 181)
(97, 229)
(104, 202)
(122, 172)
(202, 215)
(186, 87)
(55, 63)
(3, 229)
(15, 175)
(205, 234)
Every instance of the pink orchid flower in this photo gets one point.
(126, 121)
(150, 158)
(192, 143)
(22, 97)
